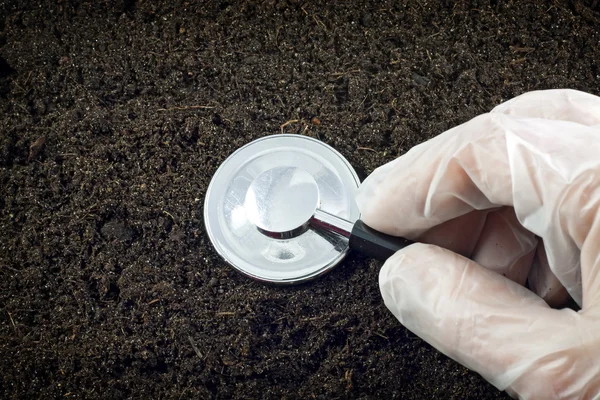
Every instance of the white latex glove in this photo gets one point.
(510, 197)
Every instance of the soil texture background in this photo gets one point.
(115, 115)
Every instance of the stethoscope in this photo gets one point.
(281, 209)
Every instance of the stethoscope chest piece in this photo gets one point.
(259, 203)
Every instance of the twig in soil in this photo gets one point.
(346, 348)
(27, 80)
(281, 101)
(291, 121)
(519, 49)
(381, 335)
(20, 88)
(340, 74)
(195, 348)
(187, 108)
(277, 35)
(314, 17)
(89, 212)
(21, 107)
(361, 103)
(153, 301)
(169, 214)
(12, 321)
(366, 148)
(348, 379)
(11, 268)
(225, 313)
(310, 319)
(319, 22)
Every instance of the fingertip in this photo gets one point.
(396, 281)
(408, 255)
(398, 270)
(371, 194)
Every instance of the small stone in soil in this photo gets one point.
(36, 148)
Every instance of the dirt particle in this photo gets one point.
(36, 148)
(117, 230)
(419, 80)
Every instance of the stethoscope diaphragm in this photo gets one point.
(287, 176)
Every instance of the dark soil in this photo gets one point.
(115, 115)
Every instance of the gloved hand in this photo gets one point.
(509, 198)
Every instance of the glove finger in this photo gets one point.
(555, 104)
(432, 183)
(488, 323)
(505, 246)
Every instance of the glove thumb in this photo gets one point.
(490, 324)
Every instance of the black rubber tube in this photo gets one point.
(374, 243)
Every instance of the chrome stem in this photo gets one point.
(331, 223)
